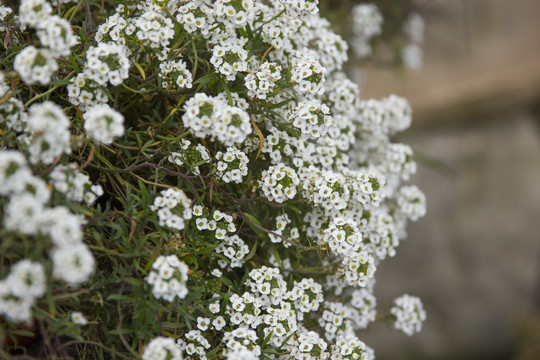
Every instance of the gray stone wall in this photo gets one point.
(475, 258)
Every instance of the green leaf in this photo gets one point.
(120, 297)
(252, 252)
(23, 332)
(254, 228)
(141, 70)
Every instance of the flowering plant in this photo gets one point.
(193, 179)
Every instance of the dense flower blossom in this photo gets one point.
(168, 278)
(209, 116)
(56, 34)
(48, 132)
(367, 24)
(232, 165)
(409, 314)
(103, 124)
(35, 65)
(279, 183)
(209, 169)
(73, 264)
(173, 208)
(162, 348)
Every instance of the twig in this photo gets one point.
(90, 158)
(88, 342)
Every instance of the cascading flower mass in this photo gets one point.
(195, 179)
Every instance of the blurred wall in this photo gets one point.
(475, 257)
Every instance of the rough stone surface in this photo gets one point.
(478, 55)
(475, 258)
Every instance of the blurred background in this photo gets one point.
(475, 258)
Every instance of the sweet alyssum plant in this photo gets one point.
(193, 179)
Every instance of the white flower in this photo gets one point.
(409, 314)
(103, 124)
(55, 33)
(27, 279)
(173, 208)
(48, 130)
(162, 348)
(78, 318)
(73, 264)
(168, 277)
(32, 12)
(35, 65)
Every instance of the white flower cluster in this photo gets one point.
(325, 188)
(409, 314)
(232, 165)
(84, 92)
(55, 33)
(365, 302)
(192, 156)
(307, 73)
(235, 249)
(350, 347)
(396, 162)
(342, 236)
(308, 345)
(336, 320)
(367, 23)
(241, 344)
(218, 222)
(194, 345)
(12, 113)
(229, 57)
(173, 208)
(300, 7)
(162, 348)
(358, 268)
(234, 14)
(168, 278)
(379, 119)
(414, 31)
(244, 310)
(211, 116)
(307, 295)
(279, 183)
(107, 62)
(152, 28)
(268, 284)
(32, 12)
(292, 234)
(312, 118)
(175, 75)
(48, 134)
(342, 95)
(195, 16)
(263, 81)
(75, 185)
(25, 283)
(27, 213)
(411, 202)
(35, 65)
(5, 12)
(103, 124)
(278, 144)
(282, 323)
